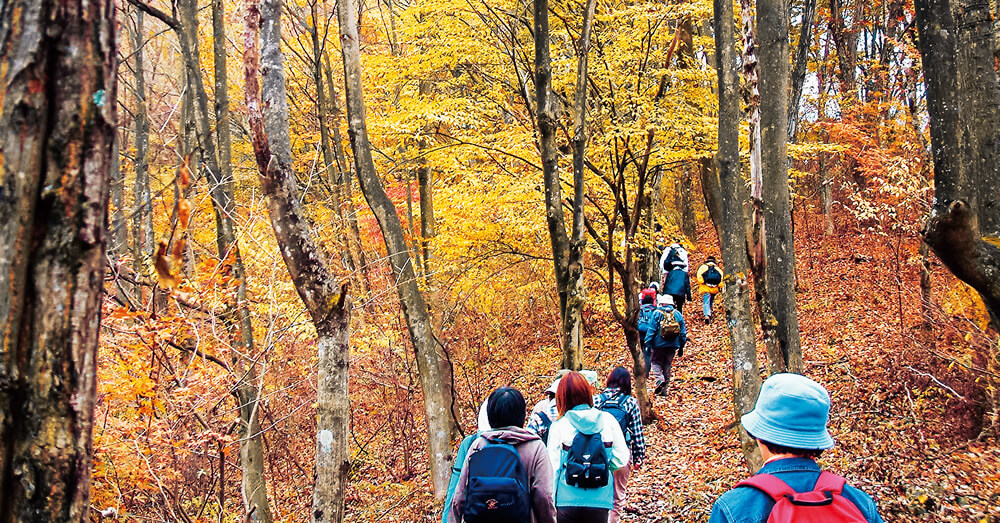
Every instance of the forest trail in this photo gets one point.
(689, 447)
(899, 436)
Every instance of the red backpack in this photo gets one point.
(824, 504)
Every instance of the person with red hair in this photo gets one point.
(585, 446)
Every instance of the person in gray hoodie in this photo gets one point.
(505, 410)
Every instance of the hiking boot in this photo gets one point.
(661, 389)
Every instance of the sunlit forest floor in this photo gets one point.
(901, 436)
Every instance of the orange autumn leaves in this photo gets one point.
(167, 261)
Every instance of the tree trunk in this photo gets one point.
(566, 252)
(779, 249)
(327, 304)
(118, 237)
(962, 102)
(222, 127)
(142, 220)
(712, 192)
(425, 182)
(649, 257)
(221, 183)
(755, 226)
(354, 235)
(333, 173)
(689, 225)
(801, 61)
(739, 317)
(434, 369)
(846, 44)
(57, 132)
(410, 223)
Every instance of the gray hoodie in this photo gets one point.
(536, 465)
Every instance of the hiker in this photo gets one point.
(665, 338)
(677, 284)
(617, 400)
(651, 291)
(709, 278)
(507, 473)
(789, 424)
(675, 256)
(643, 322)
(544, 413)
(460, 455)
(586, 446)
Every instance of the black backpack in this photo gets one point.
(674, 256)
(587, 462)
(712, 276)
(622, 416)
(497, 491)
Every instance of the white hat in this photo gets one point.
(664, 299)
(484, 419)
(554, 387)
(654, 285)
(591, 376)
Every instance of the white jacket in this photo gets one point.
(681, 252)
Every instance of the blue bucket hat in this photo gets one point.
(792, 411)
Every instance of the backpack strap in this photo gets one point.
(544, 417)
(830, 482)
(768, 484)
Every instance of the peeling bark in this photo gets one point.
(779, 249)
(327, 302)
(739, 317)
(57, 135)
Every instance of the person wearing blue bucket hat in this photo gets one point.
(789, 422)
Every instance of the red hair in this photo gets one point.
(573, 390)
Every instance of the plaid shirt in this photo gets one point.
(550, 410)
(629, 405)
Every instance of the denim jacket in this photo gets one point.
(749, 505)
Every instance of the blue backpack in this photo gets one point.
(645, 317)
(587, 462)
(497, 491)
(543, 430)
(614, 407)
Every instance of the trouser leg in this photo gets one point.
(657, 360)
(668, 361)
(706, 304)
(621, 481)
(678, 302)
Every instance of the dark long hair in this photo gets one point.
(621, 379)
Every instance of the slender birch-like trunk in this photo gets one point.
(434, 368)
(567, 251)
(326, 301)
